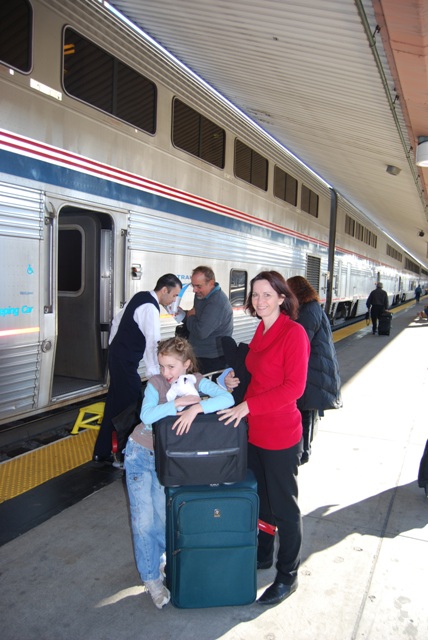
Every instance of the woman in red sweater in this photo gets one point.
(277, 361)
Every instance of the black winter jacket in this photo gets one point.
(323, 383)
(378, 297)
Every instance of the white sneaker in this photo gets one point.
(160, 594)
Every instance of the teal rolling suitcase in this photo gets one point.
(211, 544)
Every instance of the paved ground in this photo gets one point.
(365, 555)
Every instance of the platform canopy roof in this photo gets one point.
(343, 84)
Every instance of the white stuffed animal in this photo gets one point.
(183, 386)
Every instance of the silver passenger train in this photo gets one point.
(118, 165)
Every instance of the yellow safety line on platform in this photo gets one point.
(36, 467)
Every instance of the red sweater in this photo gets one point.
(278, 363)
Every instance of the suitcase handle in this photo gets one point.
(266, 527)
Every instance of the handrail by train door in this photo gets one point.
(49, 275)
(124, 236)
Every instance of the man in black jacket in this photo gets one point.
(377, 302)
(134, 336)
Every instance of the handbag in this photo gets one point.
(181, 331)
(211, 452)
(124, 424)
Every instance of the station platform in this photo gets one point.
(365, 548)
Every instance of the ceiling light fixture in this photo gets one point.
(422, 152)
(394, 171)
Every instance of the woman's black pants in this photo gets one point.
(276, 474)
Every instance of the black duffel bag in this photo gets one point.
(211, 452)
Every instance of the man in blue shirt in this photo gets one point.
(210, 319)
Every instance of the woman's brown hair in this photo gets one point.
(289, 305)
(302, 289)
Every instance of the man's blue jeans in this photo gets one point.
(147, 503)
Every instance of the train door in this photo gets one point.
(343, 279)
(23, 312)
(84, 304)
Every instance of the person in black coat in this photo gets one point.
(323, 384)
(377, 303)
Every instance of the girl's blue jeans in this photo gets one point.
(147, 504)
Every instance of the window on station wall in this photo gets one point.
(196, 134)
(250, 166)
(16, 28)
(238, 287)
(309, 201)
(101, 80)
(284, 186)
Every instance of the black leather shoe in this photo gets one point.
(277, 592)
(103, 460)
(264, 565)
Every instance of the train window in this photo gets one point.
(409, 265)
(394, 253)
(70, 253)
(309, 201)
(98, 78)
(194, 133)
(250, 166)
(238, 287)
(16, 27)
(360, 232)
(284, 186)
(350, 226)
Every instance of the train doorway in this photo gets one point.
(84, 300)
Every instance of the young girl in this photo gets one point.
(146, 495)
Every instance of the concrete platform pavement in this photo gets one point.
(365, 552)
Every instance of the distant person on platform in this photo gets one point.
(418, 293)
(377, 303)
(135, 333)
(210, 319)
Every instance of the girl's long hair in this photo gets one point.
(181, 349)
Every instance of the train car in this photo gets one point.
(117, 165)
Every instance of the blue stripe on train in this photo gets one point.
(50, 174)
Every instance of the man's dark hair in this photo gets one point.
(169, 280)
